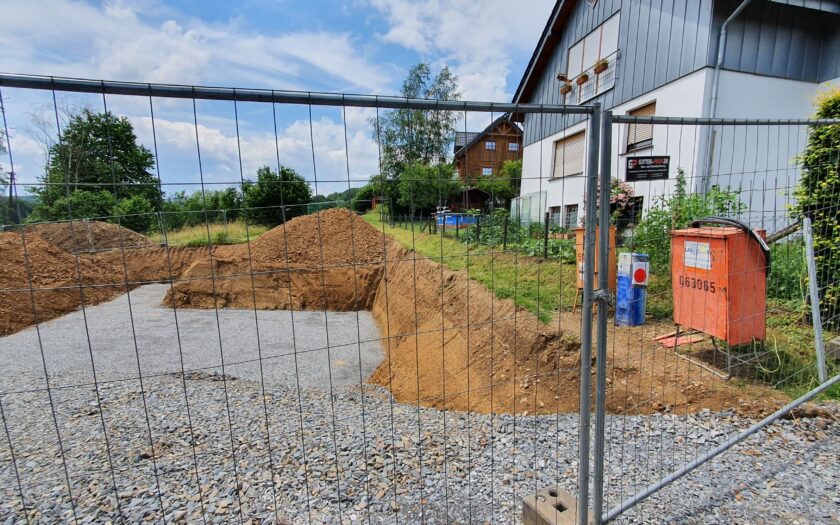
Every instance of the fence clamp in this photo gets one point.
(604, 296)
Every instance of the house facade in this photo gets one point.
(482, 154)
(646, 57)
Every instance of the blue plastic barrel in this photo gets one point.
(630, 300)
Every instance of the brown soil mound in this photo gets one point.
(337, 235)
(88, 236)
(154, 263)
(326, 261)
(54, 278)
(449, 337)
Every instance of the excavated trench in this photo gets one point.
(449, 343)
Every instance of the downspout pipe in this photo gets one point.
(712, 111)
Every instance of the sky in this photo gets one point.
(345, 46)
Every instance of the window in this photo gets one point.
(568, 156)
(490, 144)
(513, 146)
(629, 215)
(555, 215)
(640, 136)
(570, 217)
(487, 171)
(601, 43)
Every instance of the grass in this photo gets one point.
(232, 233)
(541, 287)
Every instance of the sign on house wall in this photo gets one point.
(647, 168)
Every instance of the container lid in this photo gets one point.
(708, 231)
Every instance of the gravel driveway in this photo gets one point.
(115, 356)
(195, 449)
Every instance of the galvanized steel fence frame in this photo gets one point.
(597, 217)
(601, 294)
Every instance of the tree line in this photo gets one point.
(97, 169)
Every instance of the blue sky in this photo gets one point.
(352, 46)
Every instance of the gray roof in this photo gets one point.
(465, 137)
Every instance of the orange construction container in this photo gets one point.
(611, 267)
(719, 278)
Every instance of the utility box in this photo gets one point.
(631, 295)
(719, 279)
(579, 251)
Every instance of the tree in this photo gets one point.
(97, 152)
(816, 198)
(134, 213)
(270, 191)
(409, 136)
(423, 187)
(502, 186)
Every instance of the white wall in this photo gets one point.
(680, 98)
(757, 160)
(761, 161)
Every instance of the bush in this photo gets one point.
(816, 198)
(80, 204)
(787, 271)
(653, 233)
(134, 213)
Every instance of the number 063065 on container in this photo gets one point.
(719, 282)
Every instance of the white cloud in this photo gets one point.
(122, 42)
(221, 159)
(479, 39)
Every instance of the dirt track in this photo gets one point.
(449, 342)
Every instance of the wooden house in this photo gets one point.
(482, 154)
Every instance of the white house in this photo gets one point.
(662, 59)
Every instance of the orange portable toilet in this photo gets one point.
(719, 279)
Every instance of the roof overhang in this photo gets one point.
(542, 54)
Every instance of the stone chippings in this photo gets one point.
(383, 468)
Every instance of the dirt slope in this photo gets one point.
(88, 236)
(51, 268)
(326, 261)
(464, 348)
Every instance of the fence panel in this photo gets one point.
(721, 324)
(244, 347)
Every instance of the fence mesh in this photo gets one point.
(723, 330)
(278, 336)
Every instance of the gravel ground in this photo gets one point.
(224, 451)
(68, 346)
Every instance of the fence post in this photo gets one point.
(603, 304)
(813, 288)
(586, 313)
(478, 229)
(505, 233)
(545, 237)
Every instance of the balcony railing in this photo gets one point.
(596, 84)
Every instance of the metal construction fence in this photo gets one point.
(248, 349)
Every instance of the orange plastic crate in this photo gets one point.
(720, 283)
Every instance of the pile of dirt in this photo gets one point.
(55, 281)
(333, 237)
(326, 261)
(465, 349)
(88, 236)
